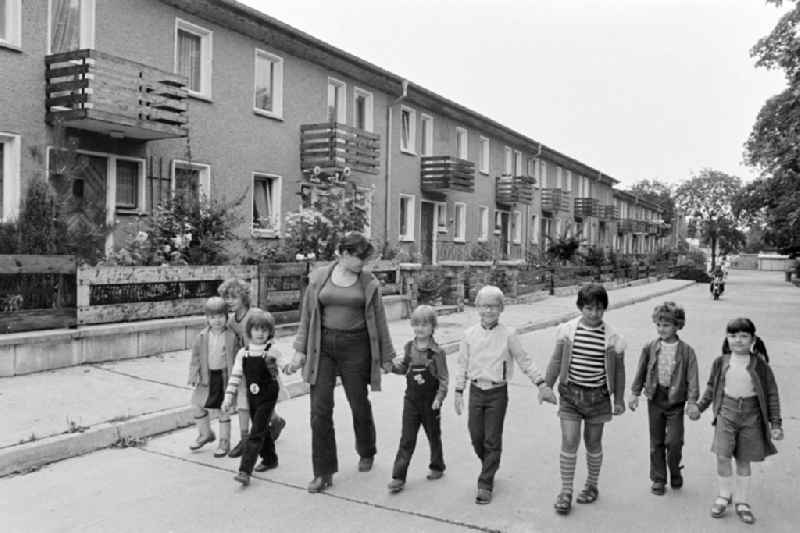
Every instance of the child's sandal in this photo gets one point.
(719, 506)
(563, 503)
(588, 495)
(744, 513)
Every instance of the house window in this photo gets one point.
(408, 131)
(192, 179)
(498, 222)
(406, 217)
(337, 101)
(462, 143)
(426, 140)
(266, 205)
(517, 163)
(484, 155)
(460, 231)
(10, 23)
(128, 184)
(362, 109)
(9, 176)
(543, 173)
(547, 226)
(363, 199)
(559, 178)
(71, 25)
(483, 214)
(516, 227)
(268, 90)
(193, 57)
(568, 180)
(508, 161)
(531, 168)
(441, 218)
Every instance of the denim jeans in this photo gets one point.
(346, 354)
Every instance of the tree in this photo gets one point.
(659, 193)
(773, 201)
(707, 200)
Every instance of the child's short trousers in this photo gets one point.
(592, 404)
(738, 432)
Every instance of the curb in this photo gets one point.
(30, 456)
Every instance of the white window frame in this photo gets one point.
(369, 105)
(206, 56)
(12, 178)
(508, 161)
(559, 177)
(530, 168)
(277, 188)
(426, 121)
(543, 173)
(463, 153)
(517, 163)
(485, 155)
(483, 220)
(13, 29)
(205, 176)
(341, 104)
(87, 24)
(411, 149)
(411, 212)
(460, 222)
(568, 180)
(516, 236)
(277, 84)
(440, 211)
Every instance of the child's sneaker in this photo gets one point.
(243, 478)
(483, 496)
(396, 485)
(434, 475)
(658, 488)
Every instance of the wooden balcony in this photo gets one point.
(609, 212)
(332, 147)
(513, 190)
(440, 174)
(554, 200)
(586, 207)
(625, 225)
(94, 91)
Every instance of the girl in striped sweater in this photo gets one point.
(256, 368)
(589, 363)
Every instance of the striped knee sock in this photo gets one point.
(593, 463)
(567, 467)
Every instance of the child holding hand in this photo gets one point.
(425, 366)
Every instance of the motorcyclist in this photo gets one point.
(718, 277)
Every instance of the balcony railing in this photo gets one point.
(555, 200)
(625, 225)
(512, 190)
(609, 212)
(333, 147)
(639, 226)
(587, 207)
(95, 91)
(442, 173)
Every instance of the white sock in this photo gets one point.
(725, 486)
(742, 489)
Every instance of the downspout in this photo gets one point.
(387, 179)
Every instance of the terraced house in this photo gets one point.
(212, 97)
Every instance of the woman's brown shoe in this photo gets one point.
(320, 483)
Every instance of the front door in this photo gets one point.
(426, 232)
(504, 230)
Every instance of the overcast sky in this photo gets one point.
(639, 89)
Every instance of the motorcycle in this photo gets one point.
(717, 287)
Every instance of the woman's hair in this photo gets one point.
(670, 312)
(356, 244)
(216, 306)
(592, 294)
(424, 314)
(259, 319)
(235, 288)
(738, 325)
(489, 292)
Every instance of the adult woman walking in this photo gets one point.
(343, 331)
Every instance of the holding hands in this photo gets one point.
(227, 403)
(633, 402)
(546, 394)
(437, 404)
(296, 364)
(693, 411)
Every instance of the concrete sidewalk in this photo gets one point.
(63, 413)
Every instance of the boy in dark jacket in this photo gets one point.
(668, 372)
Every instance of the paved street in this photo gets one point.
(162, 486)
